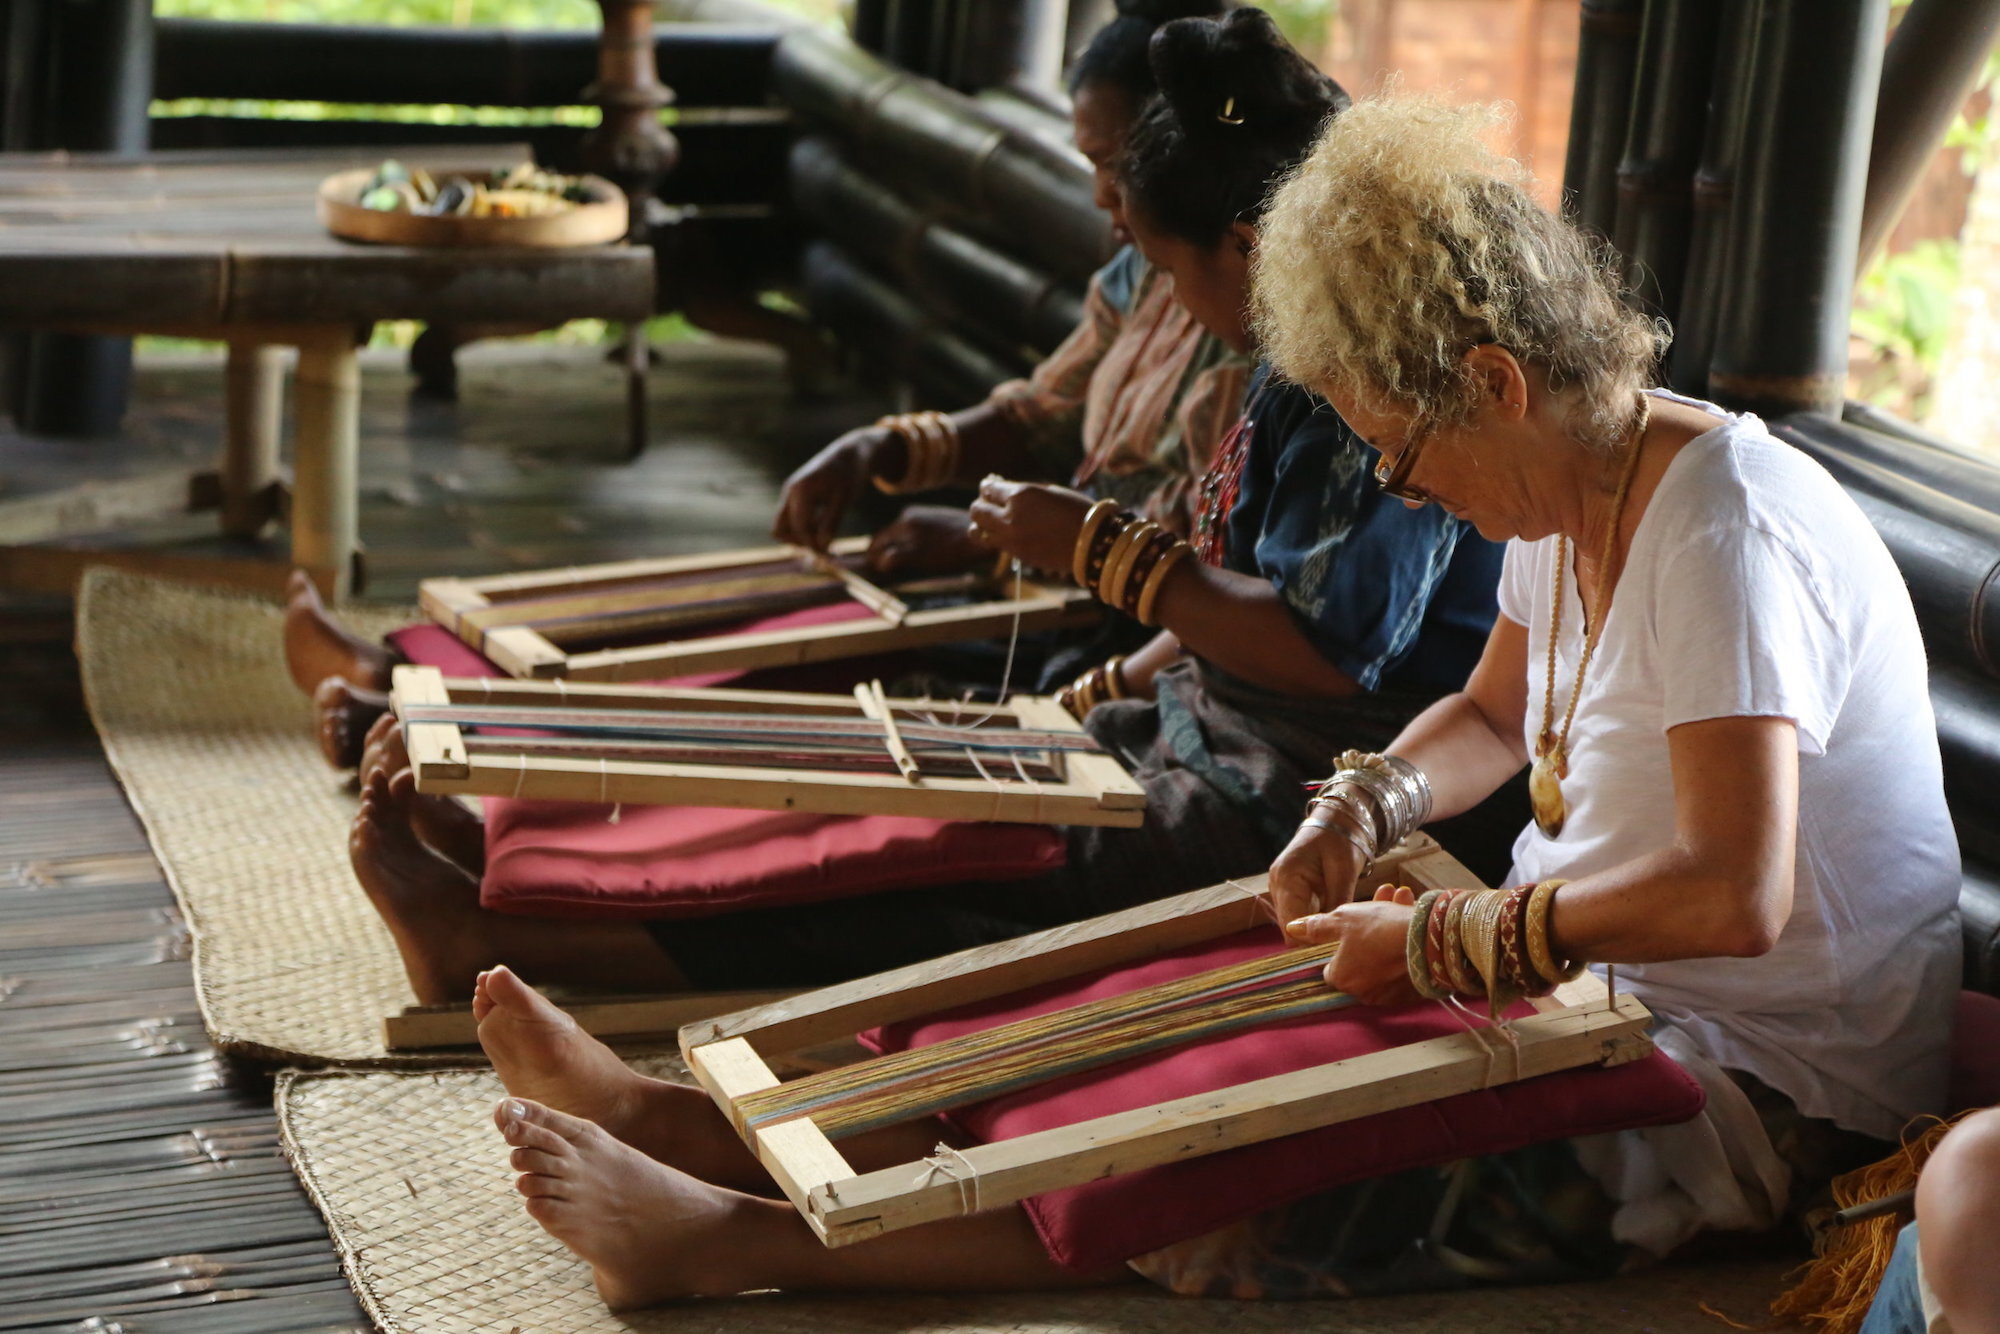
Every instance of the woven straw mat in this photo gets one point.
(215, 748)
(414, 1183)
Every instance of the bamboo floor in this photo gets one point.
(142, 1188)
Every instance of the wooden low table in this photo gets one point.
(226, 245)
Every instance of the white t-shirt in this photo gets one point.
(1755, 587)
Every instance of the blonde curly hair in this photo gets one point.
(1403, 240)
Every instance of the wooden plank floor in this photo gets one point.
(141, 1185)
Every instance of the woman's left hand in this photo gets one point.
(1035, 523)
(1372, 964)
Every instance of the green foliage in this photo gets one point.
(1901, 322)
(1307, 23)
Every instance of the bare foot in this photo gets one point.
(318, 647)
(430, 905)
(650, 1234)
(346, 713)
(443, 823)
(541, 1054)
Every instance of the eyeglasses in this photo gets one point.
(1393, 475)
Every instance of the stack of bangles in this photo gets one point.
(1094, 687)
(1124, 559)
(1490, 944)
(1374, 801)
(931, 440)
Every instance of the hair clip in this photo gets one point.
(1228, 114)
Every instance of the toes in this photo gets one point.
(506, 991)
(482, 999)
(537, 1187)
(539, 1161)
(510, 1116)
(570, 1129)
(545, 1210)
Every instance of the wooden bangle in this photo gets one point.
(1118, 573)
(1101, 542)
(1092, 521)
(1457, 967)
(1114, 554)
(1413, 946)
(1540, 904)
(1435, 941)
(1114, 677)
(1149, 596)
(1514, 943)
(1150, 552)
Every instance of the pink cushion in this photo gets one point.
(1975, 1052)
(1107, 1221)
(566, 859)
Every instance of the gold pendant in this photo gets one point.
(1545, 787)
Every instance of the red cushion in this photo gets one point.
(567, 859)
(1975, 1052)
(1107, 1221)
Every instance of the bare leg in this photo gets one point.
(318, 647)
(652, 1234)
(445, 825)
(432, 909)
(1958, 1216)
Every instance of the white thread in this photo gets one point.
(942, 1160)
(1260, 897)
(604, 790)
(999, 788)
(562, 691)
(1034, 788)
(1013, 642)
(1503, 1028)
(521, 777)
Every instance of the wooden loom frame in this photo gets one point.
(1094, 788)
(731, 1057)
(489, 615)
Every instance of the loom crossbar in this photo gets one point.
(456, 732)
(536, 625)
(1583, 1024)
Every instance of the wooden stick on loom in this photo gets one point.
(878, 600)
(876, 705)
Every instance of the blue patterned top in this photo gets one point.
(1394, 597)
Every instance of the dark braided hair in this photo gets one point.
(1238, 106)
(1117, 54)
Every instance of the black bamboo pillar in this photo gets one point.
(1932, 66)
(94, 98)
(1703, 287)
(1663, 146)
(1606, 61)
(906, 32)
(870, 28)
(1011, 43)
(1796, 224)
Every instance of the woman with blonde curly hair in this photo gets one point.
(1709, 663)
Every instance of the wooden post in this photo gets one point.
(326, 466)
(632, 149)
(255, 390)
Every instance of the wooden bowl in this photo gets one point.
(598, 222)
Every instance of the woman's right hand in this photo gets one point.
(1315, 873)
(927, 540)
(820, 492)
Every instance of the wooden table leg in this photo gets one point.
(255, 389)
(325, 469)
